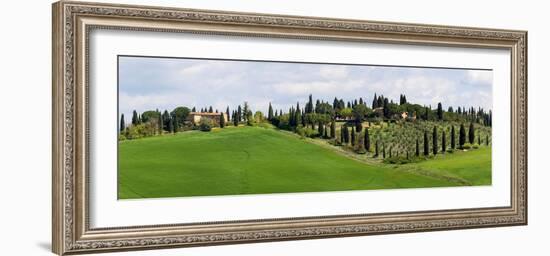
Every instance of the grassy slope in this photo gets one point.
(250, 160)
(473, 166)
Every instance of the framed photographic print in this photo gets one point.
(179, 127)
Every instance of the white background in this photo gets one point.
(25, 139)
(107, 211)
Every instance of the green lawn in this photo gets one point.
(253, 160)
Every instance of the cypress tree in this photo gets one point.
(346, 134)
(386, 110)
(210, 110)
(461, 136)
(426, 147)
(342, 140)
(122, 123)
(161, 124)
(426, 113)
(486, 140)
(374, 102)
(239, 114)
(417, 152)
(443, 142)
(309, 105)
(376, 149)
(222, 121)
(453, 145)
(434, 141)
(171, 125)
(367, 140)
(353, 137)
(439, 111)
(333, 129)
(298, 118)
(479, 140)
(291, 117)
(270, 112)
(471, 134)
(320, 129)
(383, 150)
(227, 113)
(235, 119)
(134, 118)
(192, 110)
(391, 148)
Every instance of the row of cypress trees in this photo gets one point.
(362, 141)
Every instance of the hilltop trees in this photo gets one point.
(180, 114)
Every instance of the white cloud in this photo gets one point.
(333, 72)
(220, 84)
(202, 67)
(317, 87)
(480, 77)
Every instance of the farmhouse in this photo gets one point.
(196, 117)
(379, 111)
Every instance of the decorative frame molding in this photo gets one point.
(72, 22)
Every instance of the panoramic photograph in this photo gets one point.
(212, 127)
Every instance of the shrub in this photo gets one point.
(467, 146)
(205, 125)
(265, 125)
(475, 146)
(450, 150)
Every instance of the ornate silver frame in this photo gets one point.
(72, 21)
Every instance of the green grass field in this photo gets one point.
(253, 160)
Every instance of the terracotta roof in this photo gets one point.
(204, 114)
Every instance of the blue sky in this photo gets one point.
(165, 83)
